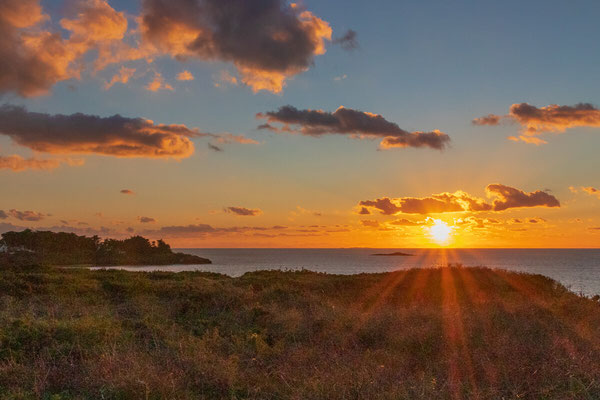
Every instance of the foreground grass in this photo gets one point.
(417, 334)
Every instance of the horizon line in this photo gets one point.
(387, 248)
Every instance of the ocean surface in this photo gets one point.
(578, 269)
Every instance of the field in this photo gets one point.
(449, 333)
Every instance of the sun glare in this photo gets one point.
(440, 232)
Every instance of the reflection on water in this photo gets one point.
(578, 269)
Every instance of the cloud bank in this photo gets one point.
(27, 215)
(506, 198)
(199, 230)
(17, 163)
(90, 134)
(346, 121)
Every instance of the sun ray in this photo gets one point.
(460, 363)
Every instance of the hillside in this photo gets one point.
(449, 333)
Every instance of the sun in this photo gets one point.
(440, 232)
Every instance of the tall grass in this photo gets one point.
(449, 333)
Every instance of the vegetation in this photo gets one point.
(50, 248)
(450, 333)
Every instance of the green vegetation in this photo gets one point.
(50, 248)
(450, 333)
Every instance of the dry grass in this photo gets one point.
(451, 333)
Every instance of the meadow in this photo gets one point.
(448, 333)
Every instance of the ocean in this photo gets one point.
(577, 269)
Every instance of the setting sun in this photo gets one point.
(440, 232)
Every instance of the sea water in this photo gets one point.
(577, 269)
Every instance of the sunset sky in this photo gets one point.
(264, 123)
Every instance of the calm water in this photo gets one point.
(578, 269)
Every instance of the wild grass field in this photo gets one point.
(449, 333)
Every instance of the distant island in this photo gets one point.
(395, 254)
(60, 248)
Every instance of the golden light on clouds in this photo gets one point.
(185, 76)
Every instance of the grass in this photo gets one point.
(450, 333)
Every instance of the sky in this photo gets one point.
(267, 123)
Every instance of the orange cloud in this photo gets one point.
(357, 124)
(385, 206)
(243, 211)
(97, 27)
(553, 118)
(370, 223)
(435, 139)
(228, 138)
(528, 139)
(404, 222)
(437, 203)
(33, 59)
(127, 192)
(459, 201)
(27, 215)
(185, 76)
(122, 77)
(591, 191)
(17, 163)
(113, 136)
(536, 220)
(477, 222)
(158, 83)
(96, 22)
(489, 119)
(257, 79)
(21, 13)
(200, 230)
(146, 220)
(80, 133)
(266, 55)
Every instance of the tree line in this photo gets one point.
(30, 247)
